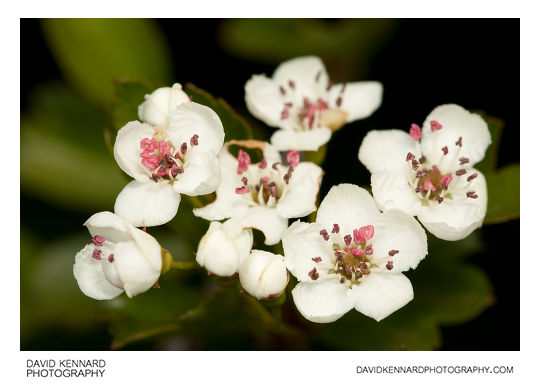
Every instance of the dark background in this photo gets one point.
(424, 63)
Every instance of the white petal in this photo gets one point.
(221, 252)
(264, 100)
(302, 243)
(90, 277)
(455, 218)
(381, 294)
(127, 149)
(156, 107)
(349, 206)
(146, 204)
(193, 118)
(228, 203)
(303, 71)
(148, 246)
(108, 225)
(457, 122)
(201, 175)
(395, 230)
(392, 190)
(387, 150)
(263, 274)
(299, 197)
(265, 220)
(271, 154)
(359, 99)
(310, 140)
(323, 301)
(137, 274)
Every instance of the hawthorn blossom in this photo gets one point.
(263, 275)
(352, 256)
(157, 106)
(224, 247)
(305, 105)
(429, 173)
(266, 194)
(119, 258)
(181, 158)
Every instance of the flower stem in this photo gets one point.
(185, 265)
(195, 201)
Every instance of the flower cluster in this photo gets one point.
(352, 255)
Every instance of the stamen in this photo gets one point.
(335, 228)
(415, 132)
(410, 156)
(472, 195)
(439, 198)
(111, 258)
(435, 125)
(339, 100)
(329, 86)
(244, 180)
(243, 161)
(154, 178)
(293, 158)
(437, 170)
(164, 148)
(342, 280)
(183, 148)
(463, 160)
(313, 274)
(194, 140)
(242, 190)
(96, 254)
(363, 234)
(291, 84)
(347, 240)
(445, 181)
(414, 165)
(393, 252)
(98, 240)
(263, 163)
(324, 234)
(472, 177)
(282, 90)
(445, 150)
(287, 177)
(459, 143)
(460, 172)
(284, 113)
(343, 88)
(390, 265)
(317, 259)
(274, 166)
(369, 249)
(422, 160)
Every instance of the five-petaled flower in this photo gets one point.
(429, 173)
(263, 195)
(301, 101)
(167, 161)
(224, 247)
(352, 256)
(120, 258)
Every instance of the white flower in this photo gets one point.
(157, 106)
(181, 158)
(429, 173)
(264, 195)
(224, 247)
(301, 101)
(352, 257)
(120, 258)
(263, 275)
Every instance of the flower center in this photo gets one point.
(353, 255)
(269, 183)
(430, 184)
(163, 160)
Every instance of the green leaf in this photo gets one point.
(495, 126)
(92, 52)
(63, 157)
(234, 125)
(346, 46)
(128, 95)
(503, 195)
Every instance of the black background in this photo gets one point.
(473, 63)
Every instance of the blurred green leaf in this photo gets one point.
(346, 46)
(63, 156)
(503, 195)
(128, 95)
(234, 125)
(495, 126)
(447, 291)
(92, 52)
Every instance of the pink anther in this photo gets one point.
(164, 148)
(98, 240)
(363, 234)
(293, 157)
(242, 190)
(435, 125)
(415, 132)
(428, 185)
(243, 161)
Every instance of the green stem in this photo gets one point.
(195, 201)
(185, 265)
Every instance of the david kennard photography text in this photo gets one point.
(65, 368)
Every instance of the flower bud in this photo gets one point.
(263, 274)
(156, 107)
(224, 247)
